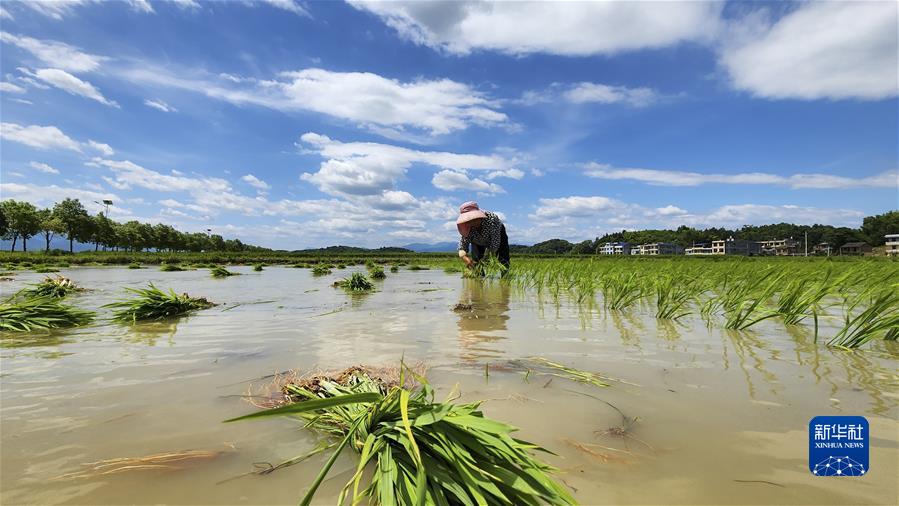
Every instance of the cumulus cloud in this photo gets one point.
(584, 93)
(102, 148)
(888, 179)
(572, 28)
(71, 84)
(160, 105)
(382, 105)
(142, 6)
(830, 50)
(48, 195)
(43, 167)
(454, 180)
(289, 5)
(55, 54)
(255, 182)
(367, 168)
(40, 137)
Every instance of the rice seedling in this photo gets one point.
(418, 451)
(220, 272)
(134, 265)
(620, 290)
(341, 266)
(40, 313)
(57, 287)
(170, 461)
(167, 267)
(357, 282)
(45, 269)
(743, 302)
(801, 298)
(418, 267)
(881, 315)
(377, 272)
(394, 268)
(300, 265)
(258, 267)
(153, 304)
(673, 298)
(320, 270)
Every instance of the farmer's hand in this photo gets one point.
(468, 261)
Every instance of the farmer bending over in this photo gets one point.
(484, 232)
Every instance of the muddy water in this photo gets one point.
(722, 415)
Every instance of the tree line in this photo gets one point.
(872, 232)
(69, 218)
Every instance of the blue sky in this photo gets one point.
(299, 124)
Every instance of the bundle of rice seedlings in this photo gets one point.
(356, 283)
(166, 267)
(394, 268)
(488, 267)
(300, 265)
(620, 290)
(377, 272)
(419, 451)
(341, 266)
(258, 267)
(44, 269)
(220, 272)
(134, 265)
(153, 304)
(57, 287)
(880, 316)
(321, 270)
(673, 297)
(42, 312)
(418, 268)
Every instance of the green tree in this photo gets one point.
(23, 221)
(74, 219)
(50, 225)
(876, 227)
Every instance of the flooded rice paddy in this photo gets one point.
(722, 415)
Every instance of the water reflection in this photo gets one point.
(150, 332)
(483, 315)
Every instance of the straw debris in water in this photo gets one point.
(57, 287)
(153, 304)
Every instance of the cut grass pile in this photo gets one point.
(40, 313)
(357, 282)
(57, 287)
(220, 272)
(418, 451)
(153, 304)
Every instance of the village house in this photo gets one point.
(780, 247)
(855, 248)
(615, 248)
(892, 245)
(657, 248)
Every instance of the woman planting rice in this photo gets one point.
(483, 232)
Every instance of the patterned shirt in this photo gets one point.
(489, 234)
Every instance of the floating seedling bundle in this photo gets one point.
(220, 272)
(357, 282)
(321, 270)
(57, 287)
(153, 304)
(41, 312)
(420, 451)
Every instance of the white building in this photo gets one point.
(892, 244)
(615, 248)
(657, 248)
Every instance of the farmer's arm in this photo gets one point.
(464, 243)
(494, 232)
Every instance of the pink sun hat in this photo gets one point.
(467, 212)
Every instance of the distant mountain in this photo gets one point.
(439, 247)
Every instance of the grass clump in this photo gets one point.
(220, 272)
(166, 267)
(57, 287)
(258, 267)
(356, 283)
(41, 312)
(377, 272)
(419, 451)
(321, 270)
(394, 268)
(134, 265)
(153, 304)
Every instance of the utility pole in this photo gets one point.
(806, 243)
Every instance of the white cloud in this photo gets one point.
(159, 104)
(255, 182)
(575, 206)
(288, 5)
(104, 149)
(454, 180)
(886, 179)
(565, 28)
(670, 210)
(127, 174)
(43, 167)
(48, 195)
(386, 106)
(36, 136)
(186, 4)
(141, 6)
(583, 93)
(11, 88)
(55, 54)
(55, 9)
(366, 168)
(507, 173)
(71, 84)
(4, 14)
(22, 101)
(832, 50)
